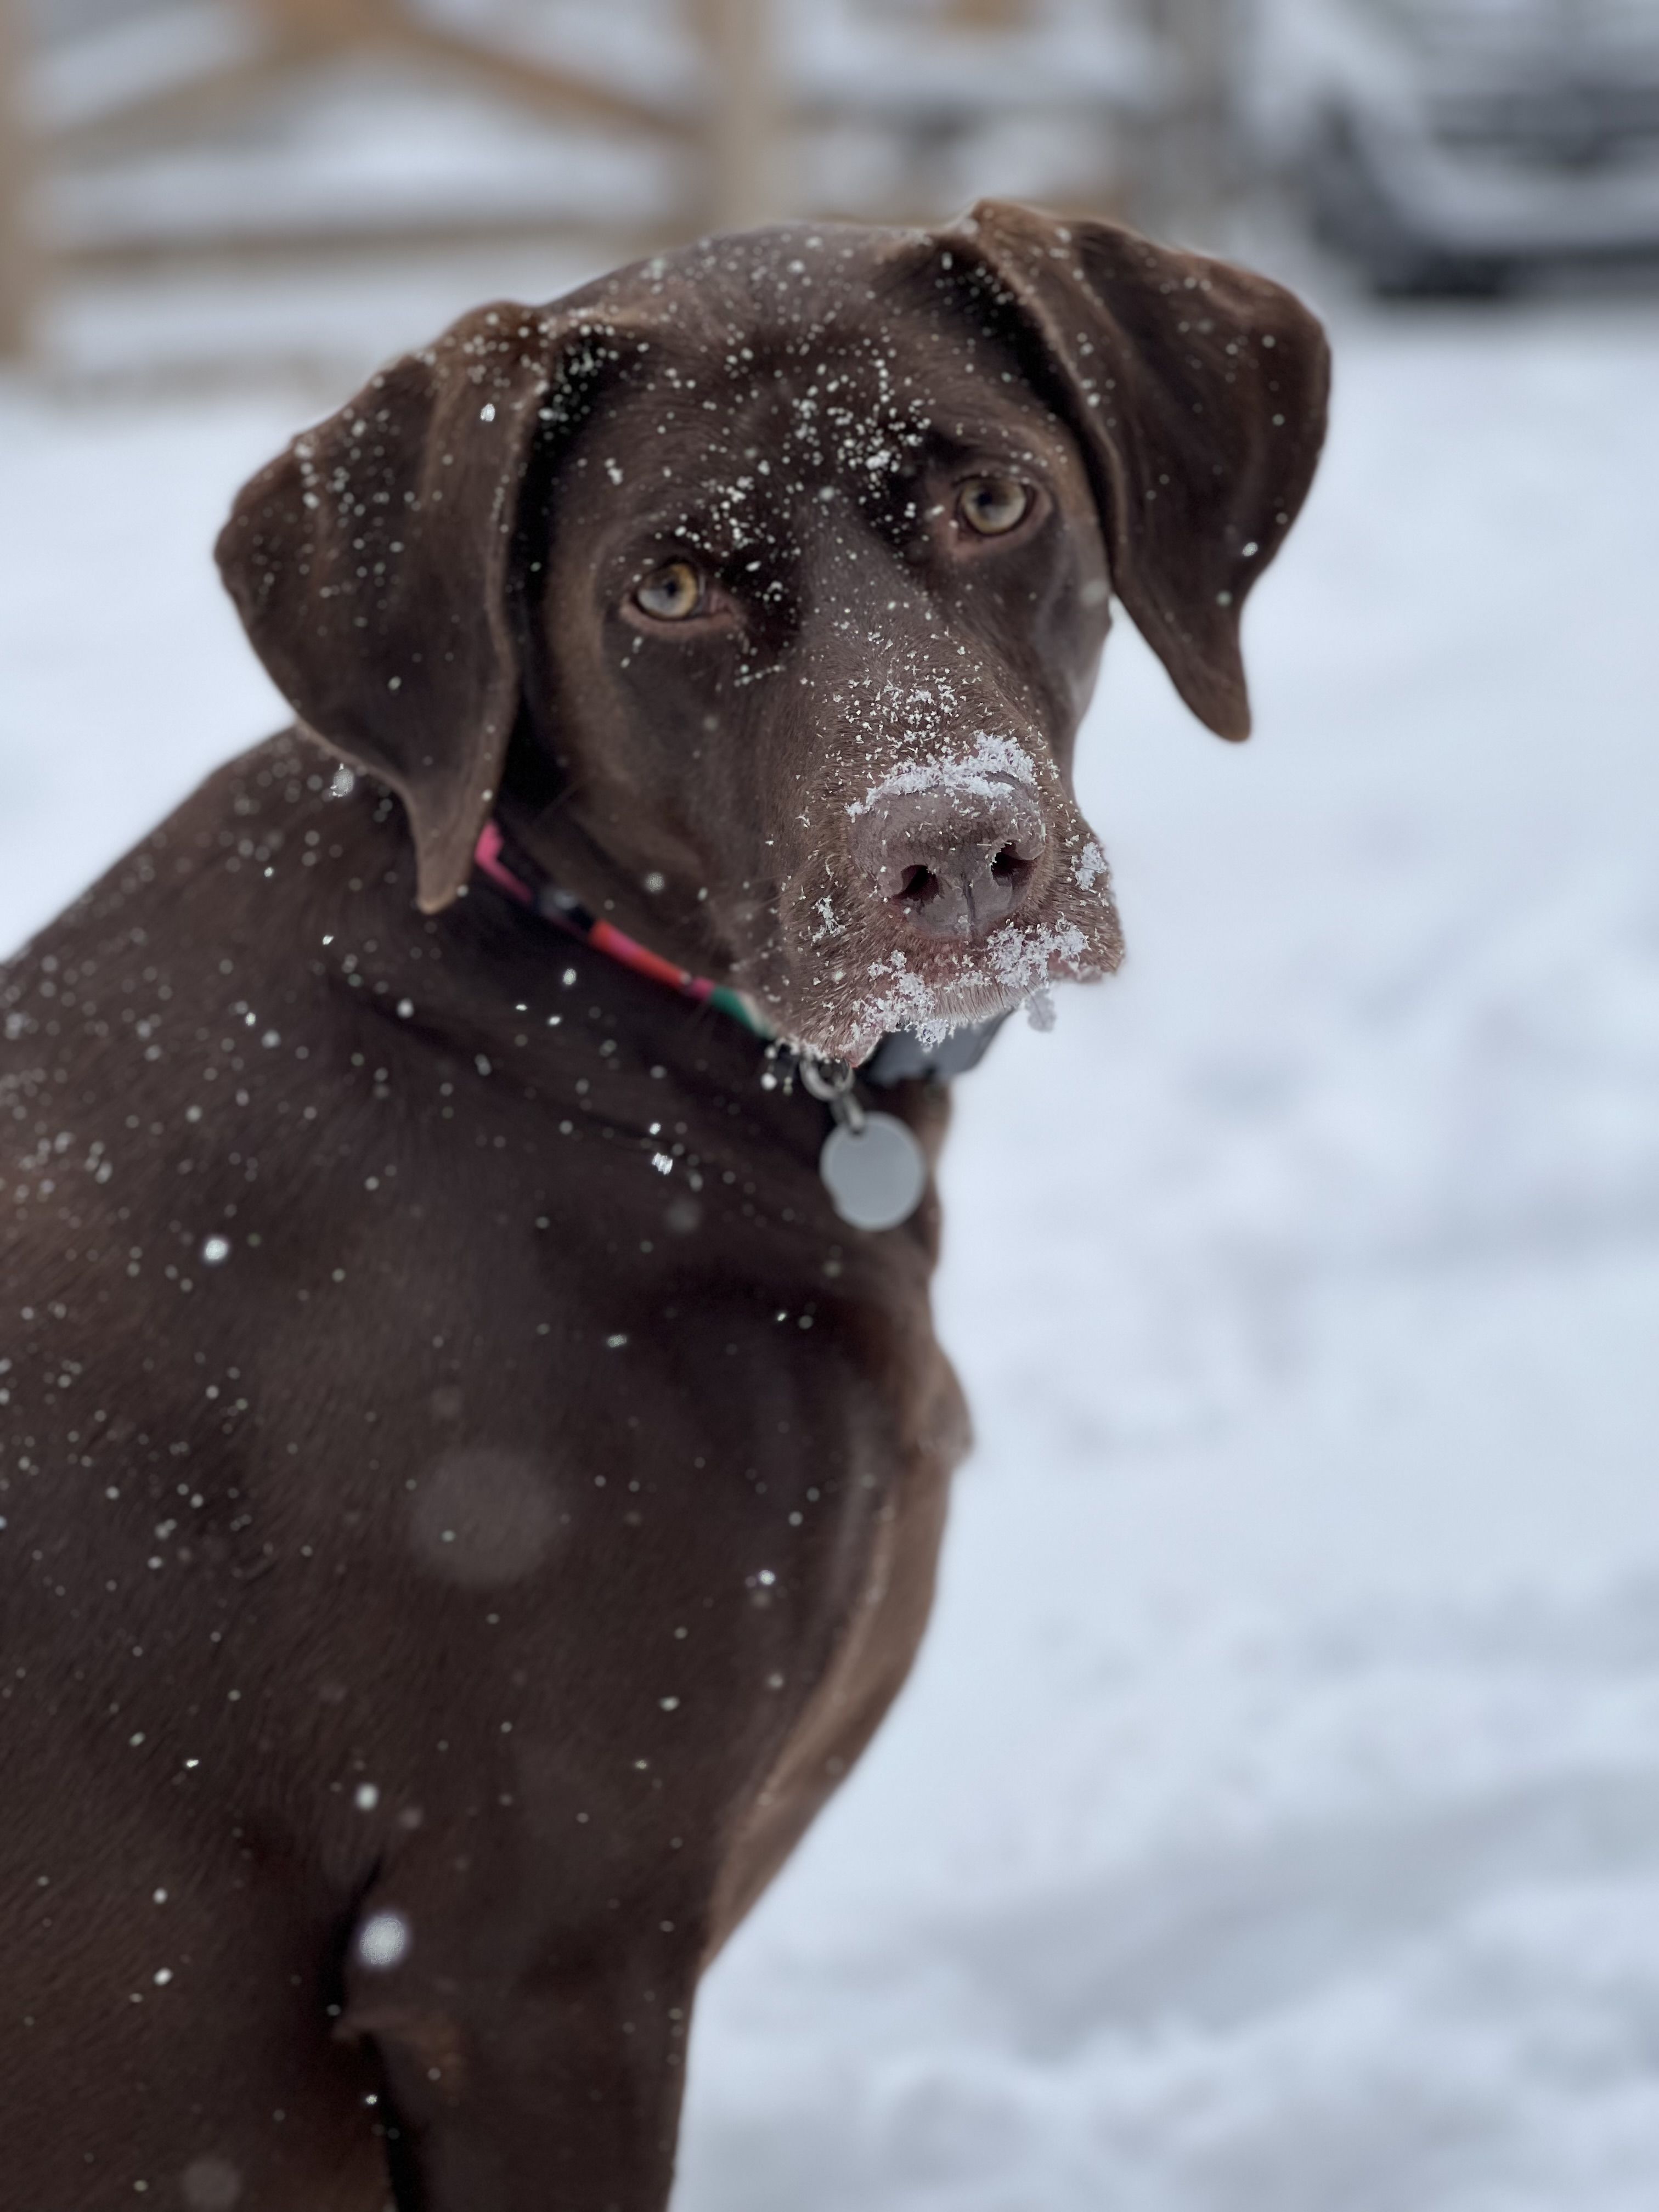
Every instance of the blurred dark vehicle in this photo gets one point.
(1451, 145)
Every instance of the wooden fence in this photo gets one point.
(731, 136)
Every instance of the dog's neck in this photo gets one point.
(899, 1057)
(519, 878)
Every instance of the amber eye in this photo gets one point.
(671, 593)
(993, 506)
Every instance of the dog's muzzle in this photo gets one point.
(954, 858)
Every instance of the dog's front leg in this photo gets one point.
(527, 2066)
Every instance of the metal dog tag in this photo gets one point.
(875, 1175)
(872, 1166)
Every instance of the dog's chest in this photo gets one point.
(509, 1352)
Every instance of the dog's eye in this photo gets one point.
(993, 506)
(674, 592)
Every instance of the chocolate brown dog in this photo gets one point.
(467, 1497)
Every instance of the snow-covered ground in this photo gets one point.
(1272, 1823)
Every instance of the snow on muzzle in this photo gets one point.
(964, 883)
(954, 857)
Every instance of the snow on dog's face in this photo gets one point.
(818, 624)
(760, 588)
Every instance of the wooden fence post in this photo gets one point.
(743, 122)
(988, 15)
(1190, 172)
(19, 264)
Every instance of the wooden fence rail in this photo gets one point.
(732, 128)
(734, 131)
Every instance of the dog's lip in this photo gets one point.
(856, 1041)
(888, 983)
(840, 967)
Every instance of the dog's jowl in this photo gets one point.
(467, 1494)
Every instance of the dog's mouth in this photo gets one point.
(960, 891)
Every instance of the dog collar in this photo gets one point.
(901, 1057)
(570, 914)
(871, 1164)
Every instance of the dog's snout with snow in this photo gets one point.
(973, 882)
(951, 852)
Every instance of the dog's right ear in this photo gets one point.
(370, 564)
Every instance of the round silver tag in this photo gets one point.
(875, 1175)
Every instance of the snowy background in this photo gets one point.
(1272, 1823)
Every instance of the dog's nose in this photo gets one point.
(956, 858)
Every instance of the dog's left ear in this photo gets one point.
(1198, 391)
(371, 565)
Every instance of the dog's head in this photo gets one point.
(760, 588)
